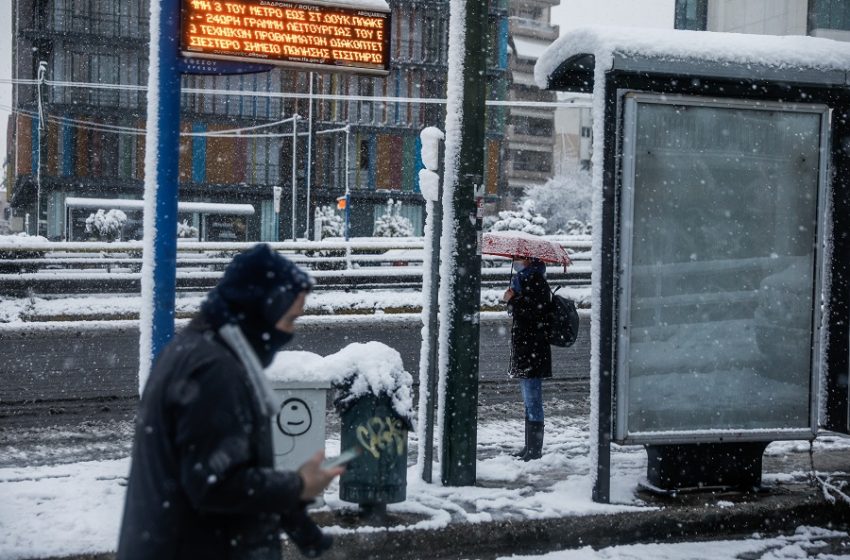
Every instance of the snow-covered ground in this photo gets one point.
(807, 542)
(61, 509)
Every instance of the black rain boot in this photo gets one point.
(522, 451)
(535, 441)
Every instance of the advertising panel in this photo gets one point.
(720, 242)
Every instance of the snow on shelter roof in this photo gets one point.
(568, 63)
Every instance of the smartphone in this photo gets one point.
(343, 458)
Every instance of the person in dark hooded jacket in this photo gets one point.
(202, 482)
(528, 299)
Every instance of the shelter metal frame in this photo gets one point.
(630, 101)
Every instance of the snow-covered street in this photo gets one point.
(61, 508)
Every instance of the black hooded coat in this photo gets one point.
(531, 355)
(202, 482)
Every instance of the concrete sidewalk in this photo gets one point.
(541, 506)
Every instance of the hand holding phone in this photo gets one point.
(343, 458)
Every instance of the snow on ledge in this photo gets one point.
(378, 5)
(719, 48)
(19, 239)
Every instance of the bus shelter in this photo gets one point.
(721, 245)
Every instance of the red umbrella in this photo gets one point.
(521, 244)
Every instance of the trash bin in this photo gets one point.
(378, 476)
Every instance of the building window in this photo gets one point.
(585, 132)
(531, 126)
(691, 14)
(527, 160)
(829, 14)
(364, 155)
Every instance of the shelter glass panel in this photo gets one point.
(720, 222)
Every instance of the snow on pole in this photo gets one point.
(159, 257)
(597, 164)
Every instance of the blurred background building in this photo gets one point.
(72, 136)
(818, 18)
(531, 130)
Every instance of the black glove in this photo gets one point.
(304, 532)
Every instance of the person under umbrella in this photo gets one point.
(528, 300)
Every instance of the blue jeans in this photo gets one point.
(532, 396)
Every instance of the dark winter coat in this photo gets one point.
(201, 482)
(531, 355)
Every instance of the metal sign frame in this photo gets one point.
(316, 66)
(630, 101)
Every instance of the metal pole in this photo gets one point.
(436, 216)
(159, 262)
(460, 410)
(309, 151)
(294, 166)
(42, 143)
(347, 186)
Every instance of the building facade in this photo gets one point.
(818, 18)
(531, 150)
(80, 132)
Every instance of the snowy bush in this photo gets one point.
(331, 224)
(185, 231)
(106, 225)
(392, 223)
(565, 201)
(525, 219)
(576, 227)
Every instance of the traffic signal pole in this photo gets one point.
(462, 205)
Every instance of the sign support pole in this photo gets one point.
(460, 413)
(309, 151)
(294, 171)
(159, 263)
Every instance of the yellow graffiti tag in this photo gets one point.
(382, 434)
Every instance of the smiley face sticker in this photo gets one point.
(294, 417)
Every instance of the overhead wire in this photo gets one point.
(118, 129)
(577, 101)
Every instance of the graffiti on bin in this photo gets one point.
(382, 434)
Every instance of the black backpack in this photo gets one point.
(563, 321)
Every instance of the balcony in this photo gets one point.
(527, 27)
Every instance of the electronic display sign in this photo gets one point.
(326, 35)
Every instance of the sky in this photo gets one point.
(631, 13)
